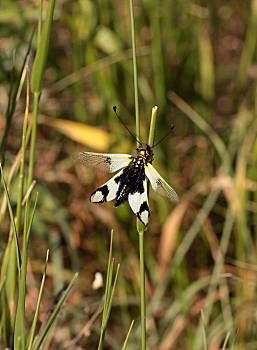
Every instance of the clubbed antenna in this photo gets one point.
(125, 126)
(164, 137)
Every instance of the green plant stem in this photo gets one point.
(33, 138)
(127, 337)
(21, 180)
(101, 341)
(152, 126)
(142, 290)
(39, 27)
(34, 323)
(54, 314)
(140, 226)
(135, 70)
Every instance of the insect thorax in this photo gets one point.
(144, 155)
(139, 161)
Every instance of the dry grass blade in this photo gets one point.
(169, 342)
(85, 331)
(28, 192)
(169, 237)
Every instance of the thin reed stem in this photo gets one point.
(140, 226)
(33, 139)
(142, 290)
(134, 69)
(152, 126)
(39, 27)
(21, 180)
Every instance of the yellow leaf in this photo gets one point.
(87, 135)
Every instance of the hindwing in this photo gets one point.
(107, 192)
(159, 184)
(139, 204)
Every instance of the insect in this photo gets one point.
(130, 183)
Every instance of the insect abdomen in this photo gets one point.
(130, 181)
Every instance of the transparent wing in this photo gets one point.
(107, 162)
(139, 204)
(159, 184)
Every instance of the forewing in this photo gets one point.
(159, 184)
(107, 191)
(139, 204)
(107, 162)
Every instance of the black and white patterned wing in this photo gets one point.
(108, 191)
(107, 162)
(139, 204)
(159, 184)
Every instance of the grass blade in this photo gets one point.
(23, 148)
(12, 221)
(133, 39)
(203, 331)
(34, 323)
(12, 102)
(109, 274)
(127, 337)
(19, 330)
(249, 49)
(53, 316)
(42, 51)
(109, 293)
(225, 341)
(111, 296)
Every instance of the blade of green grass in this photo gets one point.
(39, 27)
(224, 346)
(111, 297)
(37, 80)
(142, 289)
(19, 329)
(203, 332)
(31, 336)
(10, 253)
(18, 252)
(27, 233)
(207, 74)
(107, 296)
(42, 51)
(23, 148)
(54, 314)
(107, 307)
(109, 277)
(127, 337)
(157, 54)
(12, 172)
(12, 102)
(249, 49)
(133, 40)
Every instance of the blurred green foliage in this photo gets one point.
(197, 63)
